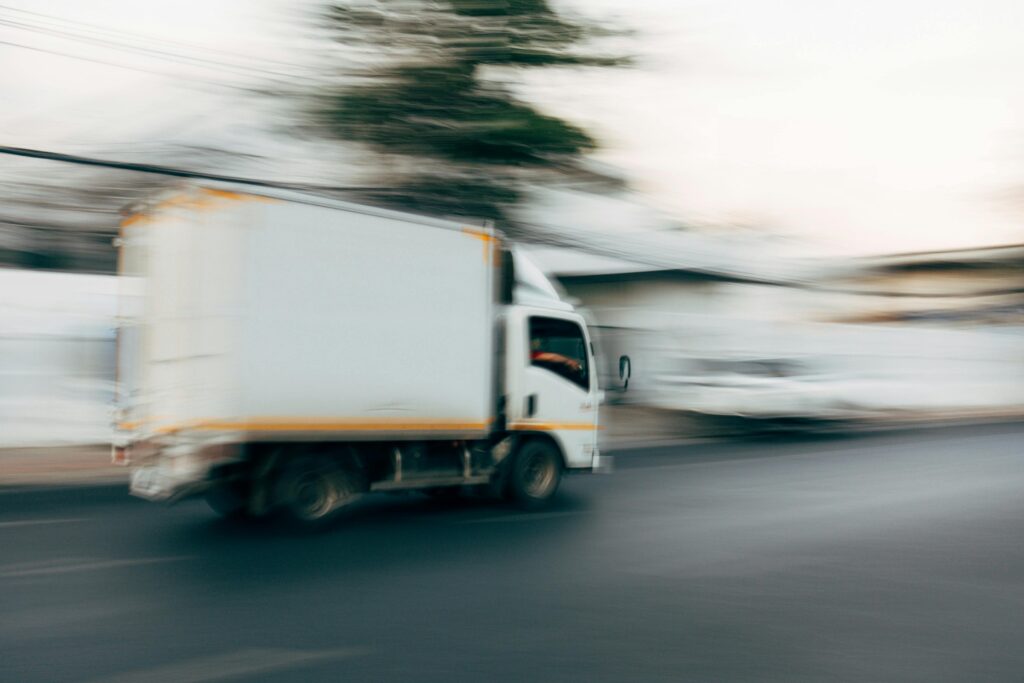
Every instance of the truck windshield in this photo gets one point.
(560, 347)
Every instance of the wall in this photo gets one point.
(57, 351)
(730, 348)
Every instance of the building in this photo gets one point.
(778, 337)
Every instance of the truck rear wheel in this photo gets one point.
(311, 491)
(535, 474)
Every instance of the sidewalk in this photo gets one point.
(58, 465)
(628, 426)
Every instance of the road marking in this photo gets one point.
(13, 571)
(230, 665)
(34, 522)
(525, 517)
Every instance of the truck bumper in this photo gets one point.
(602, 464)
(157, 484)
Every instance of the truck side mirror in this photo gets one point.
(625, 370)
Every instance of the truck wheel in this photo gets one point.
(535, 474)
(230, 492)
(311, 491)
(227, 499)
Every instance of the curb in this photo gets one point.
(863, 429)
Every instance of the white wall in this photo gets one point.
(57, 353)
(668, 327)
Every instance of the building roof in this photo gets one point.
(590, 254)
(1003, 255)
(582, 234)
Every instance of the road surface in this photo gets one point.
(889, 557)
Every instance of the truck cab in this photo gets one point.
(550, 369)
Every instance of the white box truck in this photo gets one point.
(283, 352)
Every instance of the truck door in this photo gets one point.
(553, 381)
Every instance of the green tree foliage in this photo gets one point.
(426, 86)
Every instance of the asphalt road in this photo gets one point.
(878, 558)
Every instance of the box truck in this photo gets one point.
(286, 353)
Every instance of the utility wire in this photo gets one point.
(178, 172)
(145, 51)
(144, 38)
(101, 231)
(116, 64)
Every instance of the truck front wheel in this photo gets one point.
(535, 474)
(228, 494)
(227, 499)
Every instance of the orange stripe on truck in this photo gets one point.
(199, 201)
(299, 424)
(550, 426)
(237, 196)
(286, 424)
(134, 218)
(490, 242)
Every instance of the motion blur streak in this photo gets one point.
(511, 340)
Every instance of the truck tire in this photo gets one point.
(230, 492)
(311, 491)
(228, 499)
(535, 474)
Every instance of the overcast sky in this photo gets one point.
(868, 127)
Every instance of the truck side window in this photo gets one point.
(560, 347)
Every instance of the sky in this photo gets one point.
(865, 127)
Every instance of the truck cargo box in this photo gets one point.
(279, 315)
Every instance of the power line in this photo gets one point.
(101, 231)
(178, 172)
(148, 39)
(144, 51)
(116, 64)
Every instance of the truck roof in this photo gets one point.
(189, 193)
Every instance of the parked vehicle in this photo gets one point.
(288, 353)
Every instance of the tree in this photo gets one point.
(425, 87)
